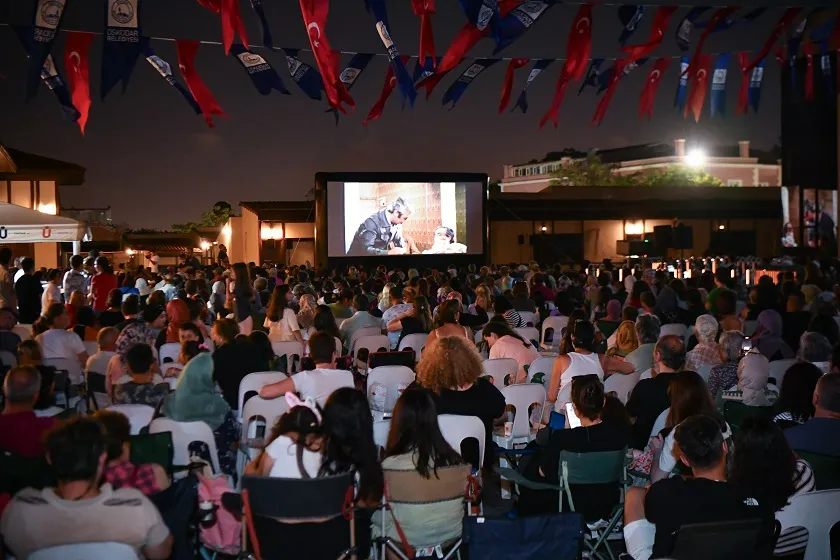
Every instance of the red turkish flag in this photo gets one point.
(232, 24)
(578, 47)
(809, 71)
(657, 33)
(744, 91)
(783, 23)
(559, 93)
(716, 18)
(387, 89)
(212, 5)
(78, 72)
(514, 65)
(604, 103)
(315, 14)
(654, 78)
(698, 85)
(186, 62)
(425, 9)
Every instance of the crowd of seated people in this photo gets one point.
(693, 458)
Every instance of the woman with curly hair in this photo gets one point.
(451, 369)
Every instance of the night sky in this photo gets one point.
(155, 162)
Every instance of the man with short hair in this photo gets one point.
(381, 234)
(650, 396)
(130, 311)
(78, 510)
(820, 434)
(21, 430)
(341, 308)
(318, 383)
(28, 291)
(106, 342)
(74, 279)
(142, 385)
(653, 515)
(361, 319)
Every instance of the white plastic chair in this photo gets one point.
(139, 415)
(169, 350)
(749, 327)
(556, 323)
(779, 368)
(8, 359)
(498, 368)
(381, 429)
(659, 423)
(530, 317)
(254, 382)
(647, 374)
(529, 333)
(364, 331)
(817, 512)
(641, 357)
(23, 331)
(622, 384)
(521, 397)
(91, 347)
(704, 371)
(673, 328)
(86, 551)
(289, 349)
(416, 342)
(339, 348)
(544, 365)
(183, 434)
(391, 377)
(73, 368)
(374, 343)
(478, 336)
(456, 429)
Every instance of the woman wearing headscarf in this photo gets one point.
(143, 332)
(707, 352)
(306, 312)
(178, 313)
(610, 323)
(753, 377)
(768, 336)
(195, 399)
(626, 340)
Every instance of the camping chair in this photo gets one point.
(407, 488)
(86, 551)
(293, 350)
(818, 512)
(557, 536)
(826, 469)
(724, 540)
(327, 501)
(735, 412)
(597, 467)
(153, 448)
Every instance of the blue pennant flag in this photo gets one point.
(686, 26)
(121, 46)
(257, 6)
(820, 26)
(457, 89)
(605, 77)
(749, 17)
(482, 13)
(351, 73)
(262, 74)
(630, 16)
(539, 66)
(593, 74)
(404, 83)
(793, 47)
(519, 20)
(45, 22)
(424, 71)
(826, 57)
(718, 93)
(165, 70)
(682, 88)
(756, 78)
(307, 78)
(49, 75)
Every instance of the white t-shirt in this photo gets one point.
(56, 343)
(284, 329)
(52, 293)
(284, 452)
(319, 384)
(98, 363)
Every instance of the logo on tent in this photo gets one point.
(46, 232)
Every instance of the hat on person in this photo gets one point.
(152, 312)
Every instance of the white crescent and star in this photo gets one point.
(182, 68)
(701, 73)
(584, 21)
(654, 75)
(314, 26)
(78, 60)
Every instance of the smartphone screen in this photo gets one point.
(574, 421)
(746, 345)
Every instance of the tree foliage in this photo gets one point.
(592, 172)
(219, 215)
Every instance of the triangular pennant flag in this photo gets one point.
(720, 15)
(682, 87)
(698, 75)
(46, 20)
(654, 78)
(307, 78)
(784, 22)
(424, 69)
(351, 73)
(657, 34)
(629, 15)
(406, 86)
(514, 65)
(686, 26)
(593, 74)
(257, 6)
(756, 79)
(121, 45)
(165, 70)
(199, 90)
(76, 52)
(424, 10)
(605, 78)
(232, 25)
(578, 47)
(717, 100)
(604, 103)
(536, 69)
(315, 13)
(457, 89)
(481, 13)
(522, 18)
(743, 92)
(262, 74)
(50, 75)
(387, 89)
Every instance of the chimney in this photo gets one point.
(744, 149)
(679, 147)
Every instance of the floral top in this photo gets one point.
(722, 377)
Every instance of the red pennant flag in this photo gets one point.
(212, 5)
(78, 73)
(719, 16)
(559, 92)
(809, 71)
(603, 105)
(514, 65)
(424, 9)
(232, 24)
(744, 91)
(783, 23)
(835, 35)
(698, 86)
(387, 89)
(186, 62)
(781, 58)
(654, 78)
(315, 17)
(657, 33)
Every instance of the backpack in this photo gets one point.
(225, 534)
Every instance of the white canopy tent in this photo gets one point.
(22, 225)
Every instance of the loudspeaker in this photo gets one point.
(683, 237)
(627, 248)
(520, 239)
(663, 239)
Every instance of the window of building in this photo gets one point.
(764, 184)
(734, 183)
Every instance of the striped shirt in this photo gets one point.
(796, 538)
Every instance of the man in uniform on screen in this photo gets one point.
(381, 234)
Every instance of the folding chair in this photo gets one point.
(407, 489)
(392, 378)
(416, 342)
(86, 551)
(735, 412)
(818, 512)
(293, 350)
(276, 509)
(724, 540)
(499, 369)
(169, 350)
(826, 469)
(253, 382)
(556, 536)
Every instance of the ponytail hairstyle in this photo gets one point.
(566, 344)
(303, 419)
(501, 329)
(588, 396)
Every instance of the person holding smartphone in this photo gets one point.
(602, 426)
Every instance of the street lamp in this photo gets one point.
(695, 158)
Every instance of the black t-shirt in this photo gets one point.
(411, 325)
(676, 501)
(231, 363)
(110, 318)
(28, 290)
(793, 325)
(647, 401)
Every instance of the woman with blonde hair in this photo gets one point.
(482, 299)
(451, 369)
(306, 311)
(626, 340)
(385, 297)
